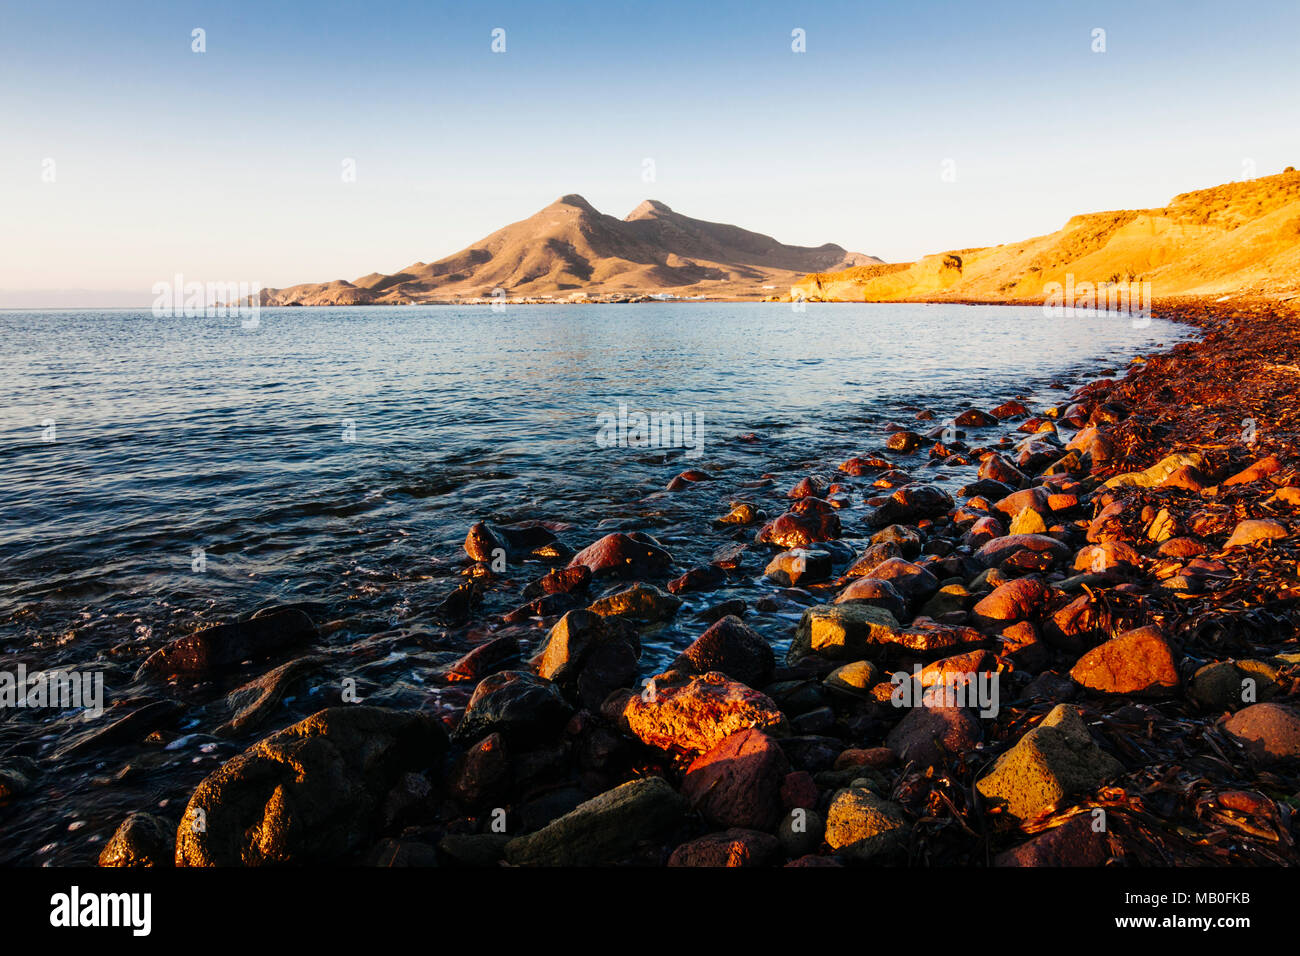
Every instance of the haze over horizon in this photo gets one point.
(227, 164)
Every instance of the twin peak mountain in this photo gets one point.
(570, 248)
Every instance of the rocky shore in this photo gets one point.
(1086, 657)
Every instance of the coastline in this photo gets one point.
(722, 758)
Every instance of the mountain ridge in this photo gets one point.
(570, 248)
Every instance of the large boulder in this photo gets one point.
(1138, 662)
(605, 829)
(694, 713)
(738, 782)
(309, 794)
(731, 647)
(1051, 762)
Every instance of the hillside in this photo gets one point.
(569, 247)
(1241, 238)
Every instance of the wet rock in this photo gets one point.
(1031, 499)
(1009, 411)
(738, 782)
(904, 441)
(694, 713)
(865, 465)
(489, 543)
(224, 647)
(808, 521)
(999, 550)
(640, 602)
(741, 513)
(872, 557)
(1073, 843)
(732, 848)
(950, 599)
(814, 486)
(17, 776)
(1270, 733)
(907, 540)
(914, 583)
(688, 478)
(571, 580)
(974, 418)
(605, 829)
(1255, 531)
(390, 852)
(1020, 645)
(254, 703)
(482, 773)
(308, 794)
(856, 678)
(1054, 760)
(732, 648)
(1138, 662)
(1016, 600)
(872, 591)
(862, 827)
(520, 706)
(142, 839)
(484, 659)
(997, 468)
(911, 503)
(927, 735)
(705, 577)
(983, 531)
(1077, 626)
(841, 631)
(635, 555)
(799, 566)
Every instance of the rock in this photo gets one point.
(808, 521)
(1029, 499)
(856, 678)
(907, 540)
(1009, 410)
(974, 418)
(997, 468)
(742, 512)
(1138, 662)
(1260, 469)
(17, 776)
(732, 648)
(308, 794)
(1073, 843)
(1054, 760)
(1232, 685)
(1255, 531)
(738, 782)
(734, 847)
(799, 566)
(814, 486)
(1021, 646)
(799, 791)
(1091, 442)
(841, 631)
(1016, 600)
(571, 580)
(143, 839)
(1077, 626)
(400, 853)
(695, 713)
(635, 555)
(872, 557)
(475, 849)
(520, 706)
(995, 552)
(489, 543)
(224, 647)
(801, 832)
(253, 703)
(1157, 472)
(927, 735)
(605, 829)
(913, 582)
(1028, 521)
(983, 531)
(861, 827)
(482, 773)
(1270, 733)
(912, 502)
(640, 602)
(904, 441)
(875, 592)
(704, 577)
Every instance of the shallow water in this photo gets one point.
(336, 458)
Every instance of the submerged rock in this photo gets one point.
(223, 647)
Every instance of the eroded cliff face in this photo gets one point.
(1241, 238)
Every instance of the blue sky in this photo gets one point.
(227, 165)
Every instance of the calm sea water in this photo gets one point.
(336, 457)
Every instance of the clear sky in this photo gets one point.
(227, 165)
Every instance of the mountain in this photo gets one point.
(1240, 238)
(570, 247)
